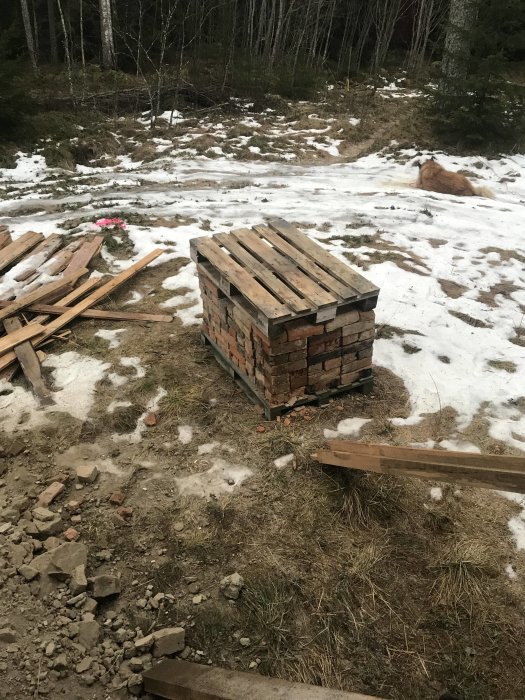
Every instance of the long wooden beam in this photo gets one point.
(108, 315)
(181, 680)
(501, 472)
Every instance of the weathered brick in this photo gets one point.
(333, 363)
(50, 493)
(342, 320)
(296, 330)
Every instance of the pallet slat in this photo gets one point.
(83, 256)
(279, 289)
(11, 339)
(281, 266)
(103, 314)
(308, 266)
(30, 363)
(237, 275)
(324, 259)
(39, 255)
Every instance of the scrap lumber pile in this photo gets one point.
(501, 472)
(289, 321)
(44, 286)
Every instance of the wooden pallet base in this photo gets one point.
(364, 385)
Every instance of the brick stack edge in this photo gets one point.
(300, 358)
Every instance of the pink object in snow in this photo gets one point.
(111, 223)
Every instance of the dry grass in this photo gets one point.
(460, 573)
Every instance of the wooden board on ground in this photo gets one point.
(11, 339)
(72, 296)
(29, 362)
(5, 238)
(39, 255)
(501, 472)
(74, 311)
(84, 254)
(182, 680)
(103, 314)
(15, 250)
(41, 293)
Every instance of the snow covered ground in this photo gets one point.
(451, 270)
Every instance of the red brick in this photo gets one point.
(296, 330)
(349, 378)
(298, 379)
(50, 493)
(71, 534)
(117, 498)
(332, 363)
(342, 320)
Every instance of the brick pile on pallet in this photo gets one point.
(291, 360)
(301, 359)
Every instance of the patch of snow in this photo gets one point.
(117, 404)
(221, 477)
(74, 380)
(151, 407)
(135, 298)
(136, 364)
(459, 446)
(349, 427)
(517, 528)
(207, 448)
(354, 121)
(282, 462)
(117, 379)
(111, 336)
(185, 434)
(436, 493)
(511, 572)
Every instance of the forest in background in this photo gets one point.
(148, 50)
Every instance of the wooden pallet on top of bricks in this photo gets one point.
(286, 318)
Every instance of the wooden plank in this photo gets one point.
(92, 299)
(257, 295)
(39, 255)
(8, 373)
(12, 339)
(109, 315)
(83, 256)
(75, 294)
(473, 459)
(323, 258)
(300, 282)
(182, 680)
(40, 293)
(510, 480)
(281, 290)
(18, 248)
(5, 238)
(30, 363)
(96, 296)
(61, 260)
(307, 265)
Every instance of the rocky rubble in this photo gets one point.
(84, 630)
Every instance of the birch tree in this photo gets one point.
(106, 34)
(29, 34)
(456, 53)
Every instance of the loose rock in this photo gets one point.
(48, 495)
(88, 634)
(78, 582)
(168, 641)
(105, 585)
(231, 586)
(71, 534)
(86, 473)
(28, 572)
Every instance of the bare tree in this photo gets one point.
(29, 34)
(106, 34)
(52, 31)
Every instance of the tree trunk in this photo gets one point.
(106, 34)
(29, 34)
(52, 31)
(456, 53)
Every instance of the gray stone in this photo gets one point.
(245, 641)
(4, 528)
(84, 665)
(43, 514)
(136, 664)
(49, 527)
(28, 572)
(60, 663)
(135, 684)
(105, 585)
(231, 586)
(88, 634)
(89, 605)
(168, 641)
(87, 473)
(78, 582)
(144, 643)
(50, 649)
(194, 587)
(7, 635)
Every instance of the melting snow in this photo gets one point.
(111, 336)
(349, 427)
(185, 434)
(221, 477)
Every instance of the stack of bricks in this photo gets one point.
(297, 358)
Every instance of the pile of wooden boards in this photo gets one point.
(501, 472)
(292, 322)
(44, 286)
